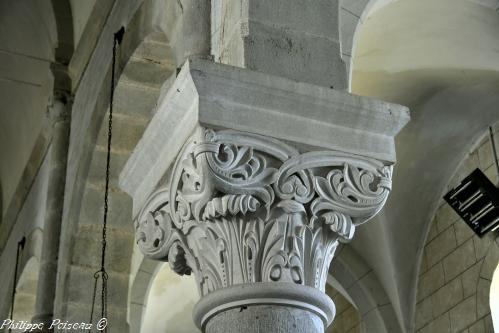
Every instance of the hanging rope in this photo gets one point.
(20, 247)
(101, 273)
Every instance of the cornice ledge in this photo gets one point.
(225, 97)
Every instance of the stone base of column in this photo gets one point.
(265, 307)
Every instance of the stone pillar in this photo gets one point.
(296, 39)
(249, 182)
(195, 29)
(44, 306)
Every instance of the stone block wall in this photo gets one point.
(347, 318)
(457, 266)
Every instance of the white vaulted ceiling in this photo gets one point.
(440, 58)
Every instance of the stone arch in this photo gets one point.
(24, 306)
(457, 262)
(362, 286)
(141, 280)
(444, 121)
(168, 302)
(352, 16)
(64, 26)
(153, 46)
(25, 284)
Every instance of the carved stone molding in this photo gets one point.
(243, 208)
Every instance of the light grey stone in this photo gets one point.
(281, 38)
(356, 266)
(217, 95)
(354, 6)
(278, 300)
(136, 100)
(247, 106)
(318, 18)
(265, 318)
(348, 22)
(308, 58)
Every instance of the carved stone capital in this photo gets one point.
(243, 208)
(256, 209)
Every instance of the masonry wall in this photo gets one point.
(347, 318)
(457, 266)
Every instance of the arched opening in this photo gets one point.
(170, 300)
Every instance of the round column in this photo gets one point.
(265, 307)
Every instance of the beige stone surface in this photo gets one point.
(431, 281)
(457, 266)
(464, 314)
(347, 318)
(463, 232)
(441, 246)
(440, 325)
(447, 297)
(459, 260)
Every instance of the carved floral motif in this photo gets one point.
(245, 208)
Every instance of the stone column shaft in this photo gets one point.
(44, 307)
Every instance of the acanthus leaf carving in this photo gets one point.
(245, 208)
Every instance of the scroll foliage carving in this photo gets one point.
(243, 208)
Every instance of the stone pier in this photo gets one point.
(250, 181)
